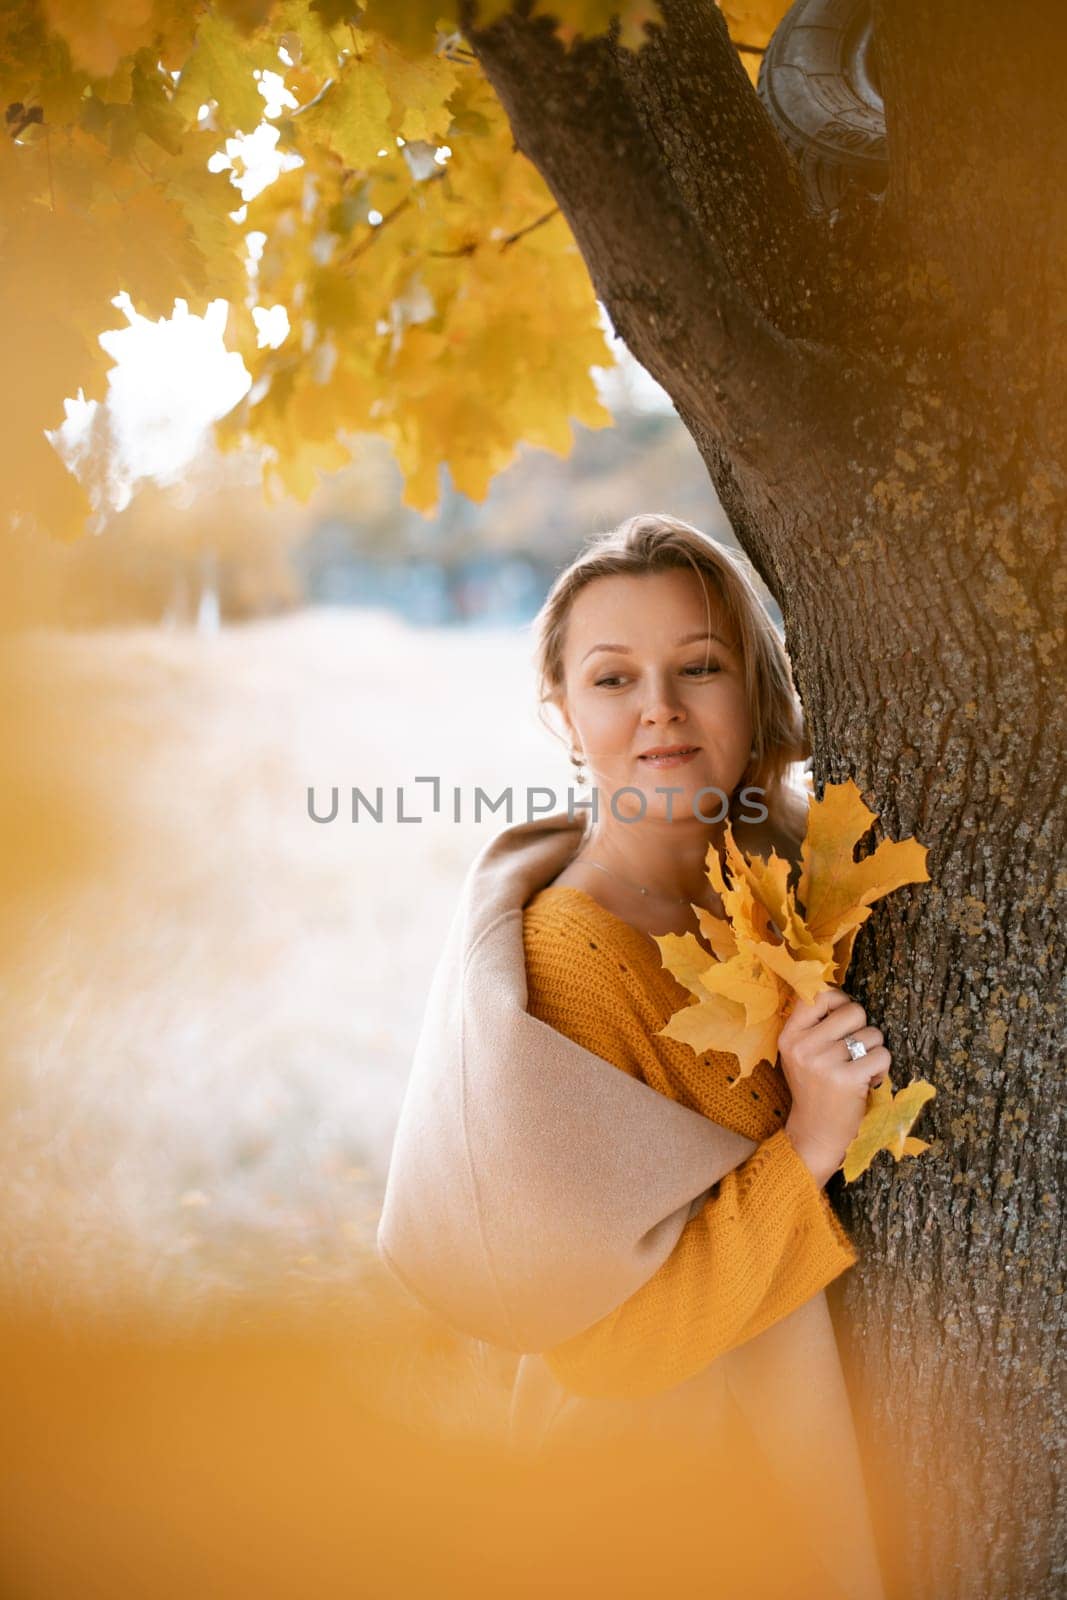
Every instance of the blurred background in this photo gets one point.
(211, 1000)
(216, 998)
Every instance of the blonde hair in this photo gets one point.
(654, 542)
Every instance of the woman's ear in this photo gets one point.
(568, 730)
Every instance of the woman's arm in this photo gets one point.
(765, 1241)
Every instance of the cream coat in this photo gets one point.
(533, 1187)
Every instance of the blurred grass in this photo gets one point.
(210, 1001)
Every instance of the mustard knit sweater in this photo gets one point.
(765, 1240)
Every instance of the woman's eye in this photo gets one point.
(704, 668)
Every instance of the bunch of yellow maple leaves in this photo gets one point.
(780, 942)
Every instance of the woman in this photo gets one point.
(569, 1184)
(654, 641)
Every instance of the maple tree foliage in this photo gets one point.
(433, 290)
(780, 941)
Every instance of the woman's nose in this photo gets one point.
(663, 703)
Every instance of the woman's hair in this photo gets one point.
(654, 542)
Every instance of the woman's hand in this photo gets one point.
(829, 1090)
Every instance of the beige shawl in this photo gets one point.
(533, 1187)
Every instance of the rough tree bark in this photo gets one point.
(878, 395)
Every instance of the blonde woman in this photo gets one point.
(652, 1237)
(672, 684)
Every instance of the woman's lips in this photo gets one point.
(669, 761)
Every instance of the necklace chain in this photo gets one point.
(681, 900)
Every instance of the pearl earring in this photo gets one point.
(576, 761)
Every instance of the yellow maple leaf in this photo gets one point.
(411, 26)
(687, 959)
(886, 1125)
(805, 978)
(717, 933)
(749, 918)
(309, 38)
(221, 68)
(719, 1023)
(352, 115)
(835, 889)
(419, 91)
(746, 980)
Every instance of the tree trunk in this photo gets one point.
(949, 1324)
(878, 396)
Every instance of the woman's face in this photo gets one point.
(650, 688)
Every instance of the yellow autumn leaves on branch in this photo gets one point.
(432, 291)
(780, 941)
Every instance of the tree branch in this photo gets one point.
(788, 414)
(725, 158)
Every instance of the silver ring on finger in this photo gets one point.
(855, 1047)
